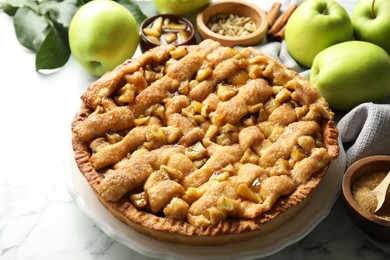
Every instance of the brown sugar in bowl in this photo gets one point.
(240, 8)
(363, 175)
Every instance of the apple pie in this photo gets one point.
(203, 144)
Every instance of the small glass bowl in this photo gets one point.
(146, 43)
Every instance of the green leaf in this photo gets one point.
(42, 26)
(61, 12)
(30, 28)
(11, 6)
(134, 9)
(8, 9)
(53, 53)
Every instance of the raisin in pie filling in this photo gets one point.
(202, 140)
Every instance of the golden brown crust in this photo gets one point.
(150, 142)
(182, 232)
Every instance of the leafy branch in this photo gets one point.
(42, 27)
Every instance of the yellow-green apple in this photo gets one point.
(314, 26)
(179, 6)
(102, 35)
(371, 22)
(350, 73)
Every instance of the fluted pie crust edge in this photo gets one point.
(170, 229)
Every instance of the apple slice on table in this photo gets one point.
(371, 22)
(314, 26)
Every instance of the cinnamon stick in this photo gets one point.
(273, 13)
(281, 22)
(279, 36)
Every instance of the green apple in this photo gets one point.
(371, 22)
(314, 26)
(350, 73)
(179, 6)
(102, 35)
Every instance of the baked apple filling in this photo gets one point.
(202, 134)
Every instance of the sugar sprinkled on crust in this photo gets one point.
(196, 144)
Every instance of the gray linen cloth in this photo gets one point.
(365, 131)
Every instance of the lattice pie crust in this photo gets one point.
(203, 144)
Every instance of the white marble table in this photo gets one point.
(38, 217)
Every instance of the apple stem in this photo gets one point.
(325, 11)
(372, 9)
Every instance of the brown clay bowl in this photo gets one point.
(240, 8)
(375, 227)
(146, 43)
